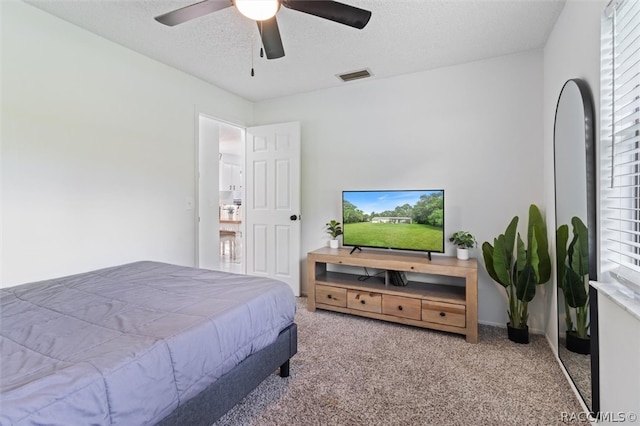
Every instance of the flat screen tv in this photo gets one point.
(403, 220)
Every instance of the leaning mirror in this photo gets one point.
(576, 237)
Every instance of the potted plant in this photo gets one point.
(464, 241)
(230, 211)
(573, 275)
(334, 229)
(519, 267)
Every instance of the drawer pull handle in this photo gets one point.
(442, 314)
(329, 296)
(400, 307)
(362, 301)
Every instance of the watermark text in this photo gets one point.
(603, 416)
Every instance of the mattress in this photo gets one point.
(129, 344)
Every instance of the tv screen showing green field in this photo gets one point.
(406, 220)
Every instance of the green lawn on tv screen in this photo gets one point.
(396, 235)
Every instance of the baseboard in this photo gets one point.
(503, 325)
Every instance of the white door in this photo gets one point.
(273, 202)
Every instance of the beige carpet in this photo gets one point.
(356, 371)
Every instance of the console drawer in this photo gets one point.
(331, 295)
(364, 301)
(444, 313)
(398, 306)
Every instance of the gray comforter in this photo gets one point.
(128, 344)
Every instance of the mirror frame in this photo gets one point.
(591, 176)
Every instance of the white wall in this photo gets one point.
(474, 130)
(572, 51)
(98, 150)
(619, 355)
(208, 235)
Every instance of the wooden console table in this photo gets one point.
(446, 307)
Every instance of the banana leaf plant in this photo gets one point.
(573, 271)
(518, 266)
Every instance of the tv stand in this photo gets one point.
(354, 249)
(445, 307)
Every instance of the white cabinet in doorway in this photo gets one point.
(230, 177)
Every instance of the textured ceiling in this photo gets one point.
(403, 36)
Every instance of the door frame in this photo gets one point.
(198, 112)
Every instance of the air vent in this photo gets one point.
(355, 75)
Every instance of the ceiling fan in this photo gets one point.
(264, 13)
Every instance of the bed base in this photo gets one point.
(222, 395)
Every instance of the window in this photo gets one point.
(620, 138)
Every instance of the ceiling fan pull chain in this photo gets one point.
(252, 71)
(261, 48)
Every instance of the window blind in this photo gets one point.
(620, 136)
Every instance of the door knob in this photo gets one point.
(293, 217)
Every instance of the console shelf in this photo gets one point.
(445, 307)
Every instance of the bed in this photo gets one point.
(142, 343)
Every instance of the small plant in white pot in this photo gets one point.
(464, 241)
(334, 229)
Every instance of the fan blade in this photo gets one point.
(271, 40)
(193, 11)
(331, 10)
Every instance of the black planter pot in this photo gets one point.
(518, 335)
(578, 344)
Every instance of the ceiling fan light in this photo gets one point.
(258, 10)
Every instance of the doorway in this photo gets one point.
(249, 224)
(221, 195)
(232, 197)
